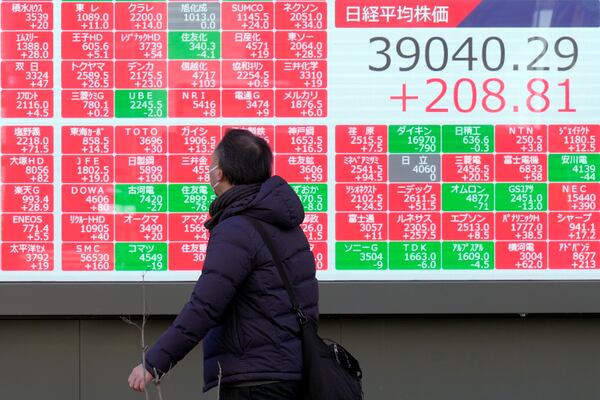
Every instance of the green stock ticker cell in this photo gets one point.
(415, 255)
(468, 255)
(148, 256)
(140, 198)
(313, 196)
(190, 197)
(361, 255)
(197, 45)
(467, 197)
(414, 138)
(468, 138)
(574, 168)
(141, 103)
(521, 197)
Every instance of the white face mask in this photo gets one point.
(216, 184)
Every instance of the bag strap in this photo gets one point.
(279, 264)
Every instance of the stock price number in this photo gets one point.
(466, 95)
(492, 53)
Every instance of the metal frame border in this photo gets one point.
(336, 298)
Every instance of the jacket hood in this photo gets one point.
(276, 203)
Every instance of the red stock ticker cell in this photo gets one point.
(574, 138)
(301, 103)
(521, 168)
(141, 74)
(521, 255)
(27, 198)
(239, 16)
(574, 226)
(26, 16)
(361, 197)
(191, 168)
(27, 227)
(415, 197)
(468, 167)
(521, 138)
(87, 139)
(141, 45)
(306, 15)
(193, 139)
(188, 227)
(27, 104)
(88, 257)
(194, 103)
(301, 45)
(87, 16)
(141, 139)
(301, 139)
(319, 250)
(27, 256)
(361, 226)
(195, 74)
(27, 169)
(574, 255)
(26, 45)
(310, 168)
(88, 169)
(315, 226)
(468, 226)
(88, 104)
(409, 226)
(88, 227)
(143, 16)
(141, 169)
(247, 45)
(87, 74)
(266, 132)
(246, 103)
(361, 139)
(88, 198)
(91, 46)
(187, 256)
(27, 75)
(306, 74)
(253, 74)
(363, 168)
(574, 197)
(517, 226)
(141, 227)
(27, 140)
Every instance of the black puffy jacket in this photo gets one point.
(239, 305)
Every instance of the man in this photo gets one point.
(239, 306)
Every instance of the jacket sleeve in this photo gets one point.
(228, 262)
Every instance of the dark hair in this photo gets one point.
(244, 157)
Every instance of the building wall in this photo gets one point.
(403, 358)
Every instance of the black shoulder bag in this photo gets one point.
(329, 371)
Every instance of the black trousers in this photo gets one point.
(288, 390)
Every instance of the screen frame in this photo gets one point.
(80, 298)
(336, 298)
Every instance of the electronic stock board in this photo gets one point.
(427, 140)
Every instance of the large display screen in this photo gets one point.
(427, 140)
